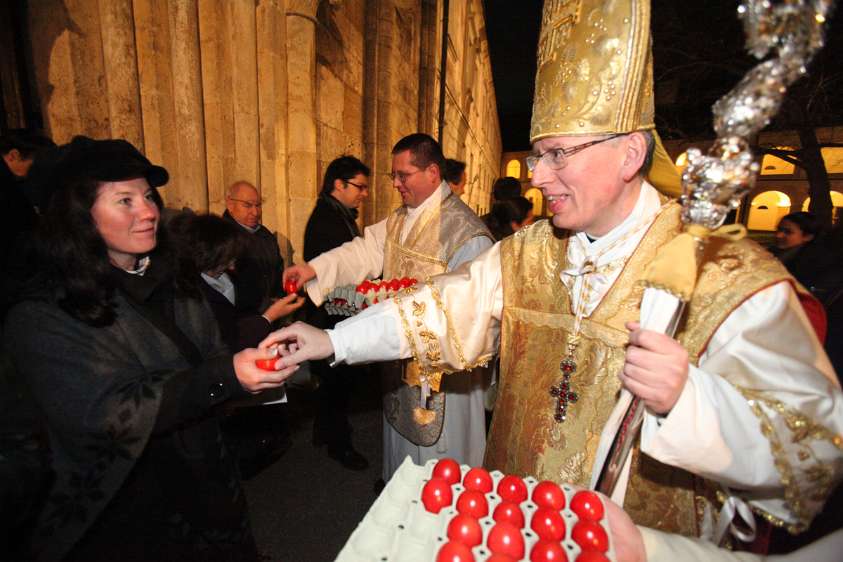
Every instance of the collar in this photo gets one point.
(223, 285)
(442, 192)
(648, 204)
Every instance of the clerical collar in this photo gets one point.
(648, 203)
(249, 228)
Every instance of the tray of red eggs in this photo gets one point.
(444, 512)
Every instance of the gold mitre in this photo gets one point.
(595, 75)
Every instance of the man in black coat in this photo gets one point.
(258, 278)
(331, 224)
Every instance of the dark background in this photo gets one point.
(698, 57)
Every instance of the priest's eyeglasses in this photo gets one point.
(402, 176)
(557, 158)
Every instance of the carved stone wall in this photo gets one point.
(268, 91)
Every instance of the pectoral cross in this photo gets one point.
(562, 391)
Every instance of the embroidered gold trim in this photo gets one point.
(448, 323)
(819, 478)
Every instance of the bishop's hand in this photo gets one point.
(299, 342)
(655, 369)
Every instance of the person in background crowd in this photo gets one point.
(509, 216)
(432, 232)
(126, 363)
(455, 176)
(331, 224)
(207, 247)
(259, 267)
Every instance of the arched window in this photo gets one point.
(534, 194)
(833, 158)
(766, 210)
(836, 203)
(513, 168)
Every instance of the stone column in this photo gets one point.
(167, 39)
(301, 112)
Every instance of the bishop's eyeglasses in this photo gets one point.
(557, 158)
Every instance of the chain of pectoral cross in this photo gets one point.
(562, 393)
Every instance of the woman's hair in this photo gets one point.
(343, 168)
(807, 222)
(204, 242)
(504, 213)
(74, 254)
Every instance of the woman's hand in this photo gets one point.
(254, 379)
(283, 307)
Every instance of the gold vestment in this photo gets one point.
(441, 230)
(537, 317)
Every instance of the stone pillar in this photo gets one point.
(272, 128)
(301, 112)
(167, 39)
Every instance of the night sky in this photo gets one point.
(698, 57)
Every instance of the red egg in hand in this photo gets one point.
(473, 503)
(454, 552)
(512, 489)
(266, 364)
(465, 529)
(590, 536)
(478, 479)
(291, 286)
(548, 494)
(508, 512)
(436, 494)
(548, 551)
(548, 524)
(506, 539)
(587, 506)
(448, 470)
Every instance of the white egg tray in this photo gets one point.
(397, 528)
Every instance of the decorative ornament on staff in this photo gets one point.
(714, 184)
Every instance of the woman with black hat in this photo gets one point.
(126, 363)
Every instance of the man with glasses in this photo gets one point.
(258, 277)
(431, 233)
(743, 410)
(331, 224)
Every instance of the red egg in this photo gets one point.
(465, 529)
(590, 536)
(508, 512)
(478, 479)
(587, 505)
(506, 539)
(436, 494)
(548, 551)
(547, 494)
(548, 524)
(448, 470)
(473, 503)
(454, 552)
(512, 489)
(266, 364)
(591, 556)
(291, 286)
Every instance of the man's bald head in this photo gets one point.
(244, 204)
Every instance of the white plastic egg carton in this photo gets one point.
(397, 528)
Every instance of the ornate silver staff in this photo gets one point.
(714, 184)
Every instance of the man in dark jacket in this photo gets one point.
(258, 278)
(331, 224)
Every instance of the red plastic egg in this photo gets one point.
(548, 524)
(266, 364)
(498, 557)
(548, 494)
(548, 551)
(506, 539)
(454, 552)
(448, 470)
(512, 489)
(590, 536)
(473, 503)
(508, 512)
(591, 556)
(587, 505)
(436, 494)
(478, 479)
(465, 529)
